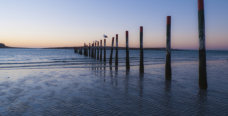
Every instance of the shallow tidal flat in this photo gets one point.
(59, 82)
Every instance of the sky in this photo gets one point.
(62, 23)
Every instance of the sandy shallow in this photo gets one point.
(101, 91)
(35, 82)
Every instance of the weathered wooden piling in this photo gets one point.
(127, 53)
(95, 49)
(80, 51)
(110, 59)
(75, 50)
(105, 50)
(92, 51)
(101, 48)
(141, 67)
(202, 48)
(117, 57)
(84, 51)
(168, 71)
(89, 50)
(98, 49)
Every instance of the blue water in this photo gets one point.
(60, 82)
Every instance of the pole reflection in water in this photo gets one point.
(126, 83)
(202, 102)
(167, 96)
(168, 86)
(141, 87)
(104, 67)
(141, 79)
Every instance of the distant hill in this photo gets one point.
(2, 45)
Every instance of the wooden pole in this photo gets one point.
(80, 51)
(141, 67)
(168, 72)
(98, 49)
(127, 53)
(89, 50)
(110, 59)
(104, 50)
(101, 50)
(75, 50)
(202, 48)
(117, 57)
(92, 52)
(84, 51)
(95, 49)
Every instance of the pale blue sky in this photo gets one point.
(49, 23)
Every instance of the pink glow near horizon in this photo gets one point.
(37, 25)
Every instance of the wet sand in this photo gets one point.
(97, 90)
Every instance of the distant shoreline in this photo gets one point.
(108, 48)
(123, 48)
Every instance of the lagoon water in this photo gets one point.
(60, 82)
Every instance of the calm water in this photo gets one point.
(59, 82)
